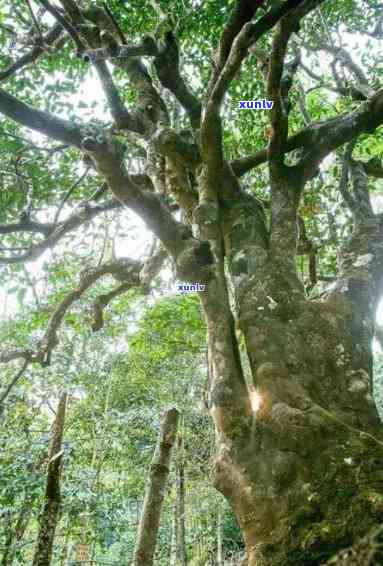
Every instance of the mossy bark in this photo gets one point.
(303, 471)
(307, 479)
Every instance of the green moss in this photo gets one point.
(347, 503)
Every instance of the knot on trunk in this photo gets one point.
(195, 261)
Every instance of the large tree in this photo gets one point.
(302, 466)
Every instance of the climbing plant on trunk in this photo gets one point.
(302, 469)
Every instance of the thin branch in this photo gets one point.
(21, 17)
(279, 81)
(278, 115)
(27, 225)
(246, 38)
(342, 129)
(102, 301)
(13, 382)
(321, 138)
(83, 214)
(243, 12)
(115, 23)
(157, 8)
(302, 105)
(152, 265)
(65, 24)
(32, 286)
(167, 64)
(301, 139)
(68, 194)
(13, 248)
(360, 88)
(147, 48)
(130, 273)
(124, 269)
(122, 117)
(342, 54)
(8, 29)
(349, 90)
(10, 355)
(49, 39)
(32, 145)
(344, 178)
(34, 19)
(211, 135)
(377, 32)
(360, 191)
(72, 9)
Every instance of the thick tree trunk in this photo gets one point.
(50, 512)
(151, 511)
(303, 471)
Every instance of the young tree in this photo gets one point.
(302, 468)
(50, 512)
(155, 491)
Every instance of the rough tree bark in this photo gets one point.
(180, 485)
(51, 507)
(155, 491)
(303, 472)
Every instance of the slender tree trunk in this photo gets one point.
(174, 539)
(155, 491)
(16, 535)
(50, 511)
(181, 542)
(8, 539)
(64, 552)
(219, 538)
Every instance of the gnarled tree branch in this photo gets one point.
(43, 122)
(54, 232)
(48, 40)
(329, 134)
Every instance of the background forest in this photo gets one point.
(148, 350)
